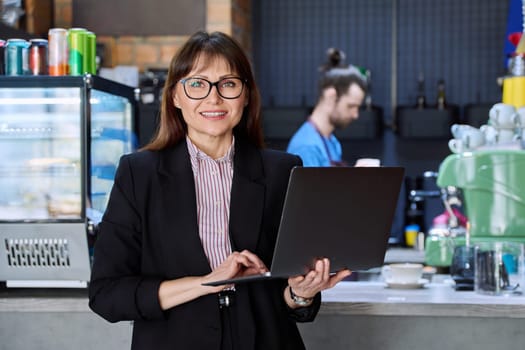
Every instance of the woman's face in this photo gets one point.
(212, 118)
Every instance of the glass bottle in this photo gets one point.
(421, 100)
(441, 100)
(368, 98)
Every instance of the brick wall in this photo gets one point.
(242, 24)
(63, 13)
(229, 16)
(141, 51)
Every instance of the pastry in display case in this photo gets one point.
(60, 142)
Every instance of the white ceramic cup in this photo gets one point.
(491, 134)
(502, 115)
(458, 130)
(473, 138)
(519, 118)
(455, 129)
(368, 162)
(507, 135)
(455, 145)
(468, 138)
(406, 273)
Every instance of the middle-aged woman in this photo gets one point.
(202, 202)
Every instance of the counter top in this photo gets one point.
(44, 300)
(434, 299)
(347, 298)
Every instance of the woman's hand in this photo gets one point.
(314, 281)
(238, 264)
(181, 290)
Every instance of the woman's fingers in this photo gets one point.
(317, 279)
(250, 260)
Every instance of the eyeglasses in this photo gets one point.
(199, 88)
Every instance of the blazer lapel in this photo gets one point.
(247, 197)
(179, 204)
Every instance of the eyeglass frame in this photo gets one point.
(216, 84)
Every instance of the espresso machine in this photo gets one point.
(493, 194)
(490, 177)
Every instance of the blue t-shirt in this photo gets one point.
(308, 144)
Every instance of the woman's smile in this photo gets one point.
(214, 115)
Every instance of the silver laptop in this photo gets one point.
(344, 214)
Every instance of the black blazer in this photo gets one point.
(149, 233)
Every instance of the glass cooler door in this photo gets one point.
(40, 147)
(111, 137)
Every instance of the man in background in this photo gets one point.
(341, 93)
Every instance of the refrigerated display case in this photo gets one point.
(60, 142)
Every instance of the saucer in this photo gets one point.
(400, 285)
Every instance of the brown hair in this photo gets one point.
(334, 73)
(172, 128)
(341, 83)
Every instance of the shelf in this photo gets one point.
(425, 123)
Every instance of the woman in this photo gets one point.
(202, 202)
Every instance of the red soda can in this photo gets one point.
(38, 57)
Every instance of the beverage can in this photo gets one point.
(16, 57)
(90, 53)
(2, 63)
(58, 51)
(38, 57)
(411, 232)
(77, 48)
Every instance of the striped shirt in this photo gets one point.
(213, 182)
